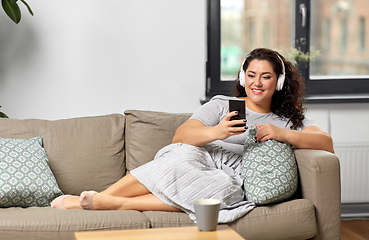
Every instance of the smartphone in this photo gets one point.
(240, 107)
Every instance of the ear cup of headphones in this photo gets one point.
(281, 77)
(280, 82)
(241, 76)
(242, 73)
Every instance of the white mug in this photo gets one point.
(206, 211)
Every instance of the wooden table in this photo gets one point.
(177, 233)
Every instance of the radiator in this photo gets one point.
(354, 160)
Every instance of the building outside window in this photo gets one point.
(362, 35)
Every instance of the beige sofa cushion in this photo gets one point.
(147, 132)
(160, 219)
(84, 153)
(288, 220)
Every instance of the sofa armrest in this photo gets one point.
(320, 183)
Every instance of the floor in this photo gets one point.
(355, 229)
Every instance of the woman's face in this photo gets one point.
(260, 83)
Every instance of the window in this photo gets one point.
(332, 32)
(362, 35)
(266, 34)
(343, 34)
(327, 34)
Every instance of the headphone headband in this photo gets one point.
(280, 80)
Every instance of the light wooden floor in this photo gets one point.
(355, 229)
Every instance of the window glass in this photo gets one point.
(362, 34)
(248, 24)
(339, 32)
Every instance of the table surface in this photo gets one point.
(178, 233)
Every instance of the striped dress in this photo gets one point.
(181, 174)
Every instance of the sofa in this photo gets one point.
(91, 153)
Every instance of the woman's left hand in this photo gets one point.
(269, 131)
(311, 137)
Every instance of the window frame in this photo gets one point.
(318, 90)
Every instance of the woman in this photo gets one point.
(205, 158)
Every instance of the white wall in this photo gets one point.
(347, 123)
(88, 57)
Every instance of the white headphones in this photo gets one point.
(280, 80)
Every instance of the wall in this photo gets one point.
(348, 125)
(88, 57)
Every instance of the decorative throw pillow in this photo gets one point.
(25, 177)
(269, 170)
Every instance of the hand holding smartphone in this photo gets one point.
(239, 106)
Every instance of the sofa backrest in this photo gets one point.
(84, 153)
(91, 153)
(147, 132)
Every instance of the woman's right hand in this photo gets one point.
(227, 128)
(194, 132)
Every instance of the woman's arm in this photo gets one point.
(194, 132)
(311, 137)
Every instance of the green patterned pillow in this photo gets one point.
(269, 170)
(25, 177)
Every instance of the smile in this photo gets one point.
(257, 91)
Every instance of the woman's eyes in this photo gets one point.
(264, 77)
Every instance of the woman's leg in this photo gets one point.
(128, 186)
(148, 202)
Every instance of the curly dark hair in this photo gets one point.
(288, 102)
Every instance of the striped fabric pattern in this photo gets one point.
(181, 174)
